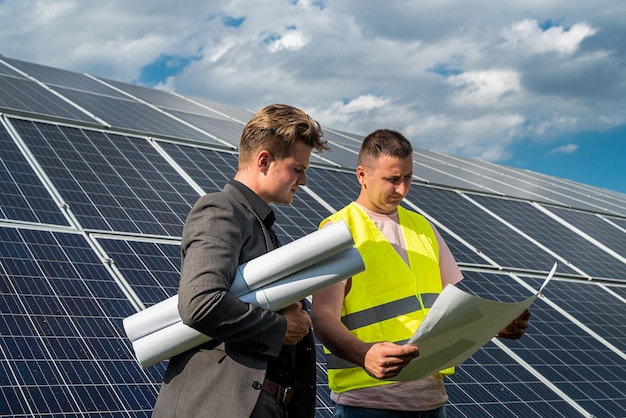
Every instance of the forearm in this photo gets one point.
(336, 337)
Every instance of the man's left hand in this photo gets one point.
(517, 327)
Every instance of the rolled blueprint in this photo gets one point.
(291, 257)
(178, 337)
(301, 284)
(152, 319)
(265, 269)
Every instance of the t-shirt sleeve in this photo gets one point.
(450, 272)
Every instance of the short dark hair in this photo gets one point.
(276, 128)
(383, 142)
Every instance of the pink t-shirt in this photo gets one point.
(421, 395)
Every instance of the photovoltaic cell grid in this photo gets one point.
(593, 306)
(23, 196)
(161, 99)
(487, 234)
(336, 188)
(571, 246)
(619, 222)
(574, 361)
(18, 95)
(596, 227)
(578, 195)
(224, 130)
(151, 269)
(343, 156)
(63, 351)
(130, 115)
(489, 176)
(491, 384)
(56, 77)
(210, 169)
(5, 70)
(111, 182)
(300, 218)
(229, 112)
(621, 291)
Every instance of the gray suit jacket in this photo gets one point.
(216, 379)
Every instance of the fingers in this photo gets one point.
(516, 329)
(298, 324)
(386, 360)
(525, 315)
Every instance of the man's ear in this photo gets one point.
(360, 174)
(263, 159)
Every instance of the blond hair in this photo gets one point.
(276, 128)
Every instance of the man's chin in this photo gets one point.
(286, 201)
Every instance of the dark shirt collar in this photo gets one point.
(265, 211)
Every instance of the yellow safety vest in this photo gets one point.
(389, 300)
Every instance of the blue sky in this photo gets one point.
(535, 85)
(595, 158)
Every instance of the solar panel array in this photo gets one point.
(97, 177)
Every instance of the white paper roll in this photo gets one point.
(152, 319)
(291, 257)
(258, 272)
(167, 342)
(178, 337)
(301, 284)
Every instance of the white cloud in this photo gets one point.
(483, 88)
(527, 37)
(291, 41)
(564, 149)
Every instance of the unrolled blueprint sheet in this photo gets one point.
(458, 325)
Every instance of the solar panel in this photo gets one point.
(134, 116)
(226, 130)
(574, 248)
(162, 99)
(484, 232)
(342, 156)
(5, 70)
(152, 269)
(63, 78)
(619, 222)
(336, 188)
(508, 184)
(21, 96)
(23, 196)
(63, 351)
(596, 227)
(111, 182)
(210, 169)
(229, 112)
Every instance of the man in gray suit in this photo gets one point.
(258, 363)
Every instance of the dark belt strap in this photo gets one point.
(283, 394)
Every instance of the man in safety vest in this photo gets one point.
(364, 321)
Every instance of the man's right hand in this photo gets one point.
(298, 323)
(385, 360)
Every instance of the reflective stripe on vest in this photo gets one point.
(383, 303)
(387, 311)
